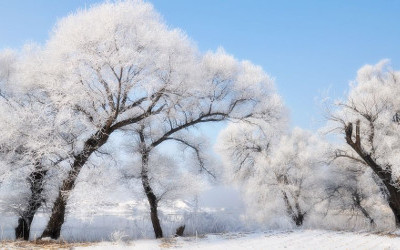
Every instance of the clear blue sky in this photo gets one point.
(308, 46)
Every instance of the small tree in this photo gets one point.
(350, 188)
(162, 177)
(275, 171)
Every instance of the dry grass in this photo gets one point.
(169, 243)
(41, 244)
(390, 234)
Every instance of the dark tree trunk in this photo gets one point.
(366, 214)
(384, 174)
(180, 230)
(296, 214)
(298, 219)
(22, 231)
(357, 204)
(151, 197)
(36, 181)
(154, 218)
(299, 216)
(53, 228)
(394, 202)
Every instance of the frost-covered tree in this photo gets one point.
(163, 177)
(236, 91)
(110, 66)
(369, 121)
(351, 190)
(118, 64)
(279, 173)
(31, 142)
(7, 61)
(298, 161)
(7, 64)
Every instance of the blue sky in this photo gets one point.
(309, 47)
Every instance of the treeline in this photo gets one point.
(117, 71)
(298, 173)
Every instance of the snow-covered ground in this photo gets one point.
(305, 239)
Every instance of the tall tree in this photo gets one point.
(368, 120)
(236, 91)
(31, 142)
(117, 64)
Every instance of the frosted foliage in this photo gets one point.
(7, 66)
(373, 100)
(29, 124)
(31, 137)
(280, 175)
(241, 144)
(351, 186)
(296, 165)
(104, 67)
(241, 86)
(195, 148)
(175, 176)
(117, 66)
(168, 180)
(113, 61)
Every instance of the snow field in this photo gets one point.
(301, 239)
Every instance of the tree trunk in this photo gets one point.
(357, 204)
(296, 216)
(151, 197)
(384, 174)
(23, 229)
(53, 228)
(298, 219)
(394, 202)
(36, 179)
(393, 197)
(299, 216)
(179, 231)
(154, 218)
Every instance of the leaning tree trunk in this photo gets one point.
(394, 201)
(151, 197)
(53, 228)
(384, 174)
(357, 204)
(36, 180)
